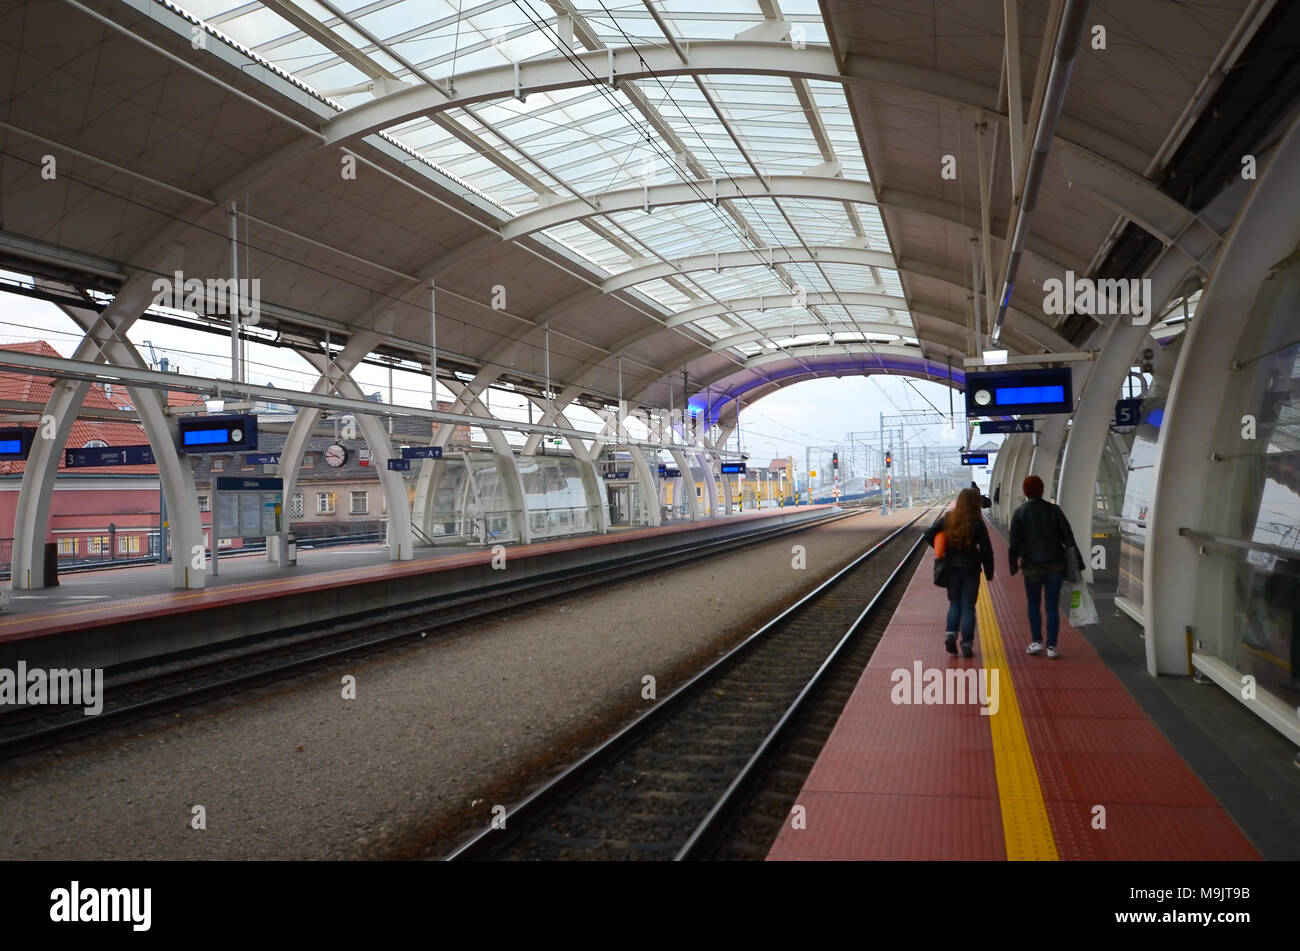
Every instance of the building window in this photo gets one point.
(128, 545)
(295, 505)
(203, 504)
(360, 503)
(97, 545)
(68, 546)
(308, 460)
(95, 444)
(325, 502)
(218, 464)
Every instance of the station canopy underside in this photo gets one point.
(747, 192)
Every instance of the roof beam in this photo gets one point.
(781, 301)
(726, 56)
(681, 193)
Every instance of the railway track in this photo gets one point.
(711, 770)
(166, 686)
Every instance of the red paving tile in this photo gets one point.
(857, 826)
(917, 781)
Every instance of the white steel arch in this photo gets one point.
(736, 57)
(681, 193)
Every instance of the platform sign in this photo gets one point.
(421, 452)
(733, 468)
(1006, 426)
(399, 465)
(217, 433)
(16, 443)
(668, 472)
(248, 508)
(974, 458)
(617, 475)
(1126, 416)
(262, 459)
(96, 456)
(1020, 392)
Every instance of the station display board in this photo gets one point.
(249, 508)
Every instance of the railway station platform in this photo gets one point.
(119, 616)
(1054, 760)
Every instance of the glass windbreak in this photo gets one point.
(490, 512)
(554, 496)
(450, 499)
(1248, 602)
(1135, 514)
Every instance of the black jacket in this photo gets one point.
(979, 555)
(1040, 537)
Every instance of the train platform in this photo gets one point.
(1052, 759)
(124, 615)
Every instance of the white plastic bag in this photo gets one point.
(1082, 610)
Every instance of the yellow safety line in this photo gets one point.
(1025, 825)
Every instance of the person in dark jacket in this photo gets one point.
(985, 501)
(968, 550)
(1039, 544)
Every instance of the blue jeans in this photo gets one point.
(963, 588)
(1034, 591)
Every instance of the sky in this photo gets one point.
(803, 416)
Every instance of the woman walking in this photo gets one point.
(967, 551)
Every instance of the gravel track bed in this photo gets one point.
(644, 803)
(437, 734)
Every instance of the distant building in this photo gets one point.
(113, 512)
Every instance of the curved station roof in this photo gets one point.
(633, 197)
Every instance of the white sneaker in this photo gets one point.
(1035, 647)
(1053, 653)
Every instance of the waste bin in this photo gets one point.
(51, 564)
(291, 548)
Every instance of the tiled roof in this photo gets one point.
(33, 388)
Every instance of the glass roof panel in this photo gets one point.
(590, 140)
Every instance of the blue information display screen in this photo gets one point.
(217, 433)
(1020, 392)
(976, 459)
(206, 437)
(733, 468)
(1020, 395)
(15, 443)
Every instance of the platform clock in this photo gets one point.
(336, 455)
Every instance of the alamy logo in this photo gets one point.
(215, 295)
(955, 685)
(1124, 298)
(74, 687)
(103, 904)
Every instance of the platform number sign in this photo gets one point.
(1126, 416)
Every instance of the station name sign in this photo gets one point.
(240, 484)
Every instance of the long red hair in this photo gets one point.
(959, 526)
